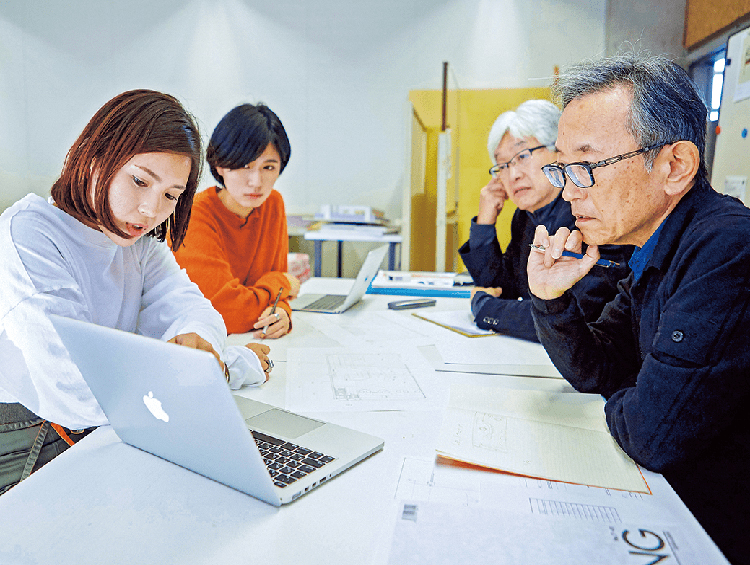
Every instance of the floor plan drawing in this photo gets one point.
(386, 378)
(377, 376)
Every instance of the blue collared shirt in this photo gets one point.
(640, 257)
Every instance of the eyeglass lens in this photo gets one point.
(555, 175)
(579, 174)
(518, 159)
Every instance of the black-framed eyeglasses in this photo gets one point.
(582, 173)
(517, 159)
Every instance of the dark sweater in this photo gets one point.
(670, 354)
(510, 314)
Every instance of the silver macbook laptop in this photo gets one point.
(337, 303)
(174, 402)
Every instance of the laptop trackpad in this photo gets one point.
(283, 423)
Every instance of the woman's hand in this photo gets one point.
(294, 285)
(278, 324)
(262, 350)
(194, 341)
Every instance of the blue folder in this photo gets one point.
(431, 291)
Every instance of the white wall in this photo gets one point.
(644, 24)
(337, 72)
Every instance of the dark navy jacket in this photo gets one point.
(490, 267)
(671, 354)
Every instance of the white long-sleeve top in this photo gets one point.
(50, 263)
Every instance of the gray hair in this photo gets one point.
(533, 118)
(666, 105)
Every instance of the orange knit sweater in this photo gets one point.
(238, 265)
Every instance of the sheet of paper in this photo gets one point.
(556, 436)
(433, 356)
(546, 371)
(536, 501)
(303, 334)
(742, 90)
(417, 480)
(460, 321)
(500, 350)
(434, 533)
(371, 327)
(428, 481)
(360, 379)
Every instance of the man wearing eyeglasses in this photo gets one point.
(520, 143)
(671, 353)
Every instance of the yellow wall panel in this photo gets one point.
(470, 117)
(423, 212)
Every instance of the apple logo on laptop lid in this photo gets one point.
(154, 406)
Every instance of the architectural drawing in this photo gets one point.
(377, 376)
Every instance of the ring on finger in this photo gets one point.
(277, 316)
(270, 366)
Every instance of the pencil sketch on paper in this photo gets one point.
(547, 435)
(377, 376)
(490, 431)
(338, 378)
(417, 481)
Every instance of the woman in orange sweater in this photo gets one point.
(236, 244)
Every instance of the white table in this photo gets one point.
(105, 502)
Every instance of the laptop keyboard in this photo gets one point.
(287, 462)
(327, 302)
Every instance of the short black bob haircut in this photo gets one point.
(242, 135)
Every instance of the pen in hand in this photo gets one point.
(273, 310)
(566, 253)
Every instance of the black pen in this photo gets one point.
(273, 310)
(566, 253)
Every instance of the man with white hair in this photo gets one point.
(520, 143)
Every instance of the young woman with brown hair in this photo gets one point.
(82, 254)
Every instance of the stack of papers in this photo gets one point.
(546, 435)
(502, 355)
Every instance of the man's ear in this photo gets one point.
(680, 161)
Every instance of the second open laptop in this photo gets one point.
(337, 303)
(174, 402)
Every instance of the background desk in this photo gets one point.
(319, 236)
(105, 502)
